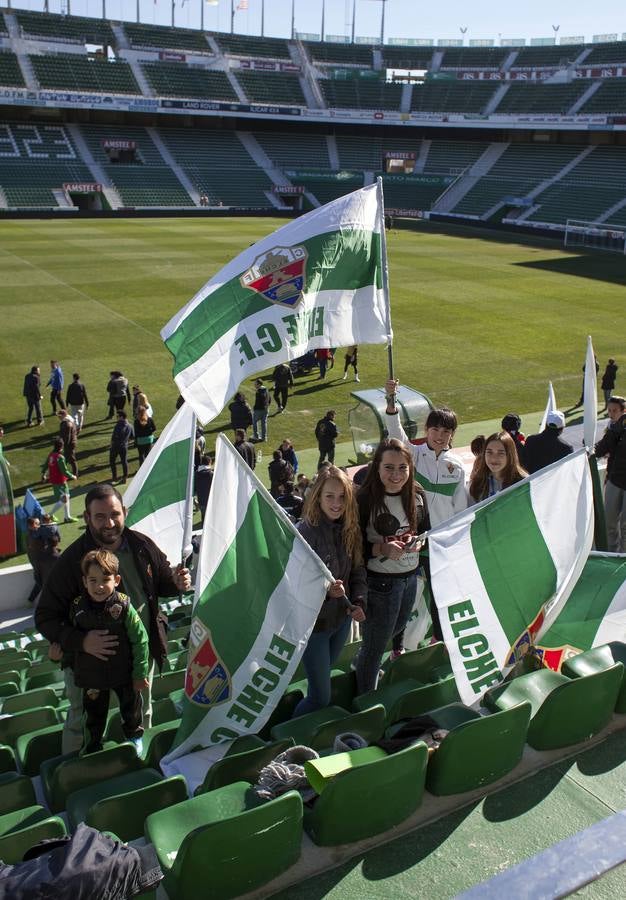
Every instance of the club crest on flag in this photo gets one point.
(526, 641)
(279, 275)
(207, 682)
(554, 657)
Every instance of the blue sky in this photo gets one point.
(403, 18)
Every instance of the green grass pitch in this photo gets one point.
(481, 323)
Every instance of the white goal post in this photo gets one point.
(589, 236)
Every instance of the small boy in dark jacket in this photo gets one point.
(101, 606)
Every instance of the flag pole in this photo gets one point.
(385, 273)
(186, 547)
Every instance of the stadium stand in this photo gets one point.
(453, 157)
(603, 54)
(146, 182)
(588, 191)
(534, 97)
(289, 150)
(357, 153)
(10, 72)
(35, 161)
(361, 93)
(72, 72)
(609, 98)
(474, 57)
(452, 96)
(70, 29)
(220, 166)
(251, 47)
(165, 38)
(325, 186)
(176, 79)
(271, 87)
(537, 57)
(419, 58)
(521, 168)
(412, 192)
(346, 54)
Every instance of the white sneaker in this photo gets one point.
(138, 745)
(356, 378)
(345, 376)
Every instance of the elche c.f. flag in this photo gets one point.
(159, 497)
(503, 569)
(595, 613)
(314, 283)
(259, 589)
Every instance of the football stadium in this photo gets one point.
(184, 212)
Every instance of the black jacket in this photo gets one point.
(327, 541)
(122, 434)
(247, 452)
(262, 398)
(90, 672)
(608, 379)
(613, 445)
(76, 394)
(326, 432)
(52, 616)
(282, 377)
(32, 388)
(542, 449)
(240, 414)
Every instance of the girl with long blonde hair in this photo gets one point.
(330, 524)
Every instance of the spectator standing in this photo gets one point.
(244, 448)
(56, 472)
(351, 359)
(69, 436)
(55, 383)
(118, 392)
(290, 502)
(203, 479)
(240, 413)
(146, 576)
(144, 429)
(498, 467)
(77, 400)
(323, 357)
(512, 424)
(582, 390)
(608, 381)
(326, 433)
(286, 448)
(283, 380)
(121, 436)
(613, 445)
(32, 393)
(33, 551)
(260, 410)
(546, 447)
(142, 400)
(279, 471)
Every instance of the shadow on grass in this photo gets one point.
(600, 267)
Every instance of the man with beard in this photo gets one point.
(146, 576)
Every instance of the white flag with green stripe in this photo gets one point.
(156, 498)
(595, 613)
(258, 592)
(314, 283)
(502, 570)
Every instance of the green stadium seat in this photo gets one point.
(304, 727)
(477, 750)
(16, 792)
(564, 711)
(63, 776)
(409, 698)
(242, 766)
(599, 659)
(7, 759)
(35, 747)
(21, 831)
(283, 712)
(169, 681)
(126, 813)
(9, 685)
(44, 679)
(30, 700)
(79, 803)
(157, 742)
(23, 722)
(38, 649)
(251, 46)
(227, 838)
(369, 724)
(422, 665)
(163, 711)
(142, 35)
(14, 665)
(378, 795)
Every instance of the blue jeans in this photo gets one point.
(389, 604)
(321, 652)
(259, 415)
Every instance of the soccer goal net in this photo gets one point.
(587, 236)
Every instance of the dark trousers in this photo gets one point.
(69, 452)
(55, 397)
(34, 405)
(280, 396)
(122, 452)
(96, 707)
(142, 451)
(326, 452)
(321, 652)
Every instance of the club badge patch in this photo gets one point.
(278, 274)
(207, 682)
